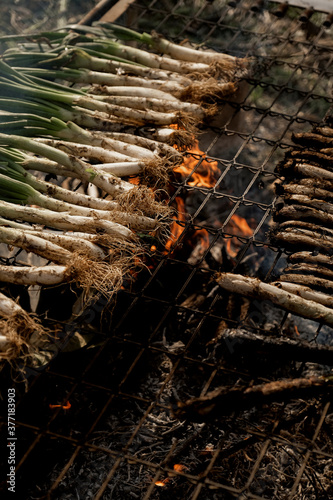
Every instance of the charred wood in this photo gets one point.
(253, 287)
(278, 347)
(224, 400)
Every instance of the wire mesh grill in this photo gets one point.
(160, 344)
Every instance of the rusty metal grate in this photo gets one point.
(119, 440)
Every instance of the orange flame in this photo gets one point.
(200, 243)
(203, 175)
(176, 229)
(240, 223)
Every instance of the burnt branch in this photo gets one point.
(278, 347)
(225, 400)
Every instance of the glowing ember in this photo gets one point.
(204, 175)
(180, 467)
(162, 483)
(67, 406)
(176, 467)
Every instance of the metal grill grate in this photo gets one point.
(119, 440)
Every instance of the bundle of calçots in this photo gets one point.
(305, 215)
(137, 114)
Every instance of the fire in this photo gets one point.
(237, 222)
(176, 229)
(203, 175)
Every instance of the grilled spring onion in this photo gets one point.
(14, 189)
(107, 182)
(16, 328)
(123, 84)
(73, 242)
(63, 220)
(14, 84)
(174, 50)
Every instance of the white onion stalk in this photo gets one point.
(119, 169)
(188, 54)
(117, 80)
(139, 92)
(157, 147)
(24, 275)
(306, 293)
(141, 117)
(150, 59)
(87, 151)
(7, 306)
(151, 103)
(73, 197)
(78, 59)
(14, 190)
(32, 243)
(63, 220)
(122, 169)
(176, 51)
(71, 241)
(98, 140)
(110, 184)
